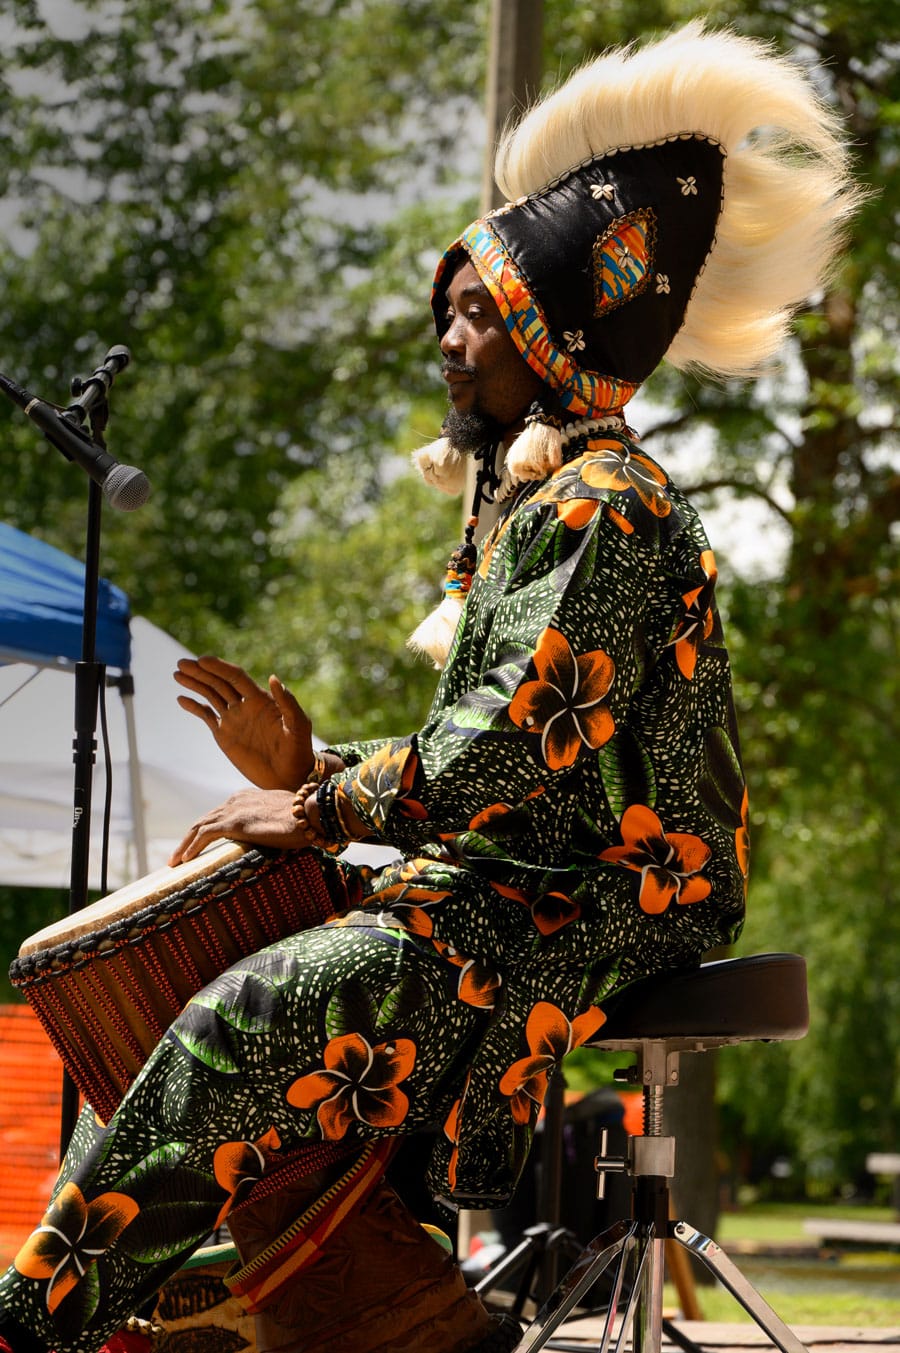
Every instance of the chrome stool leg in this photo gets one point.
(613, 1247)
(635, 1251)
(730, 1276)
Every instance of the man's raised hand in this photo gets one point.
(264, 733)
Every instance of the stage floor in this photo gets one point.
(584, 1334)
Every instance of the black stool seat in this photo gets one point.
(735, 1000)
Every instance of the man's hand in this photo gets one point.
(261, 817)
(264, 733)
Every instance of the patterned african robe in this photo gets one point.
(571, 817)
(573, 812)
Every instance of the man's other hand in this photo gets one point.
(264, 733)
(260, 817)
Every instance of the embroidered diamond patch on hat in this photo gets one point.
(623, 259)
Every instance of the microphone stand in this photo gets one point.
(89, 676)
(126, 488)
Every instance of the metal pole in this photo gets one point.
(515, 63)
(514, 76)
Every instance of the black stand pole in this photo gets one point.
(127, 488)
(88, 677)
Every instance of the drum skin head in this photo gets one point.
(132, 898)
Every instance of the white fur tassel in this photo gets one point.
(536, 452)
(441, 465)
(434, 635)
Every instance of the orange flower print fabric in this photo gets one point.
(385, 777)
(73, 1235)
(669, 863)
(699, 619)
(478, 984)
(565, 704)
(609, 465)
(550, 1036)
(359, 1083)
(742, 839)
(237, 1166)
(549, 911)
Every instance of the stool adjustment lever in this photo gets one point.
(646, 1156)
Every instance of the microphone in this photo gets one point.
(126, 487)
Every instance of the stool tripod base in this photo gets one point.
(633, 1253)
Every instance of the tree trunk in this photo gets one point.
(690, 1116)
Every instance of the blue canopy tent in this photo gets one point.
(170, 766)
(41, 624)
(42, 606)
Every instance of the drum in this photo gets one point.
(107, 981)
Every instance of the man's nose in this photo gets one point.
(452, 341)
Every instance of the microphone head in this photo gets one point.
(126, 488)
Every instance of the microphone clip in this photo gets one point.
(92, 393)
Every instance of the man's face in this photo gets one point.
(490, 384)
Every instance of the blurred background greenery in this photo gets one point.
(252, 197)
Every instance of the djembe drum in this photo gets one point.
(107, 981)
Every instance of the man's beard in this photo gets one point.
(469, 432)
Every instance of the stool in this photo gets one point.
(762, 998)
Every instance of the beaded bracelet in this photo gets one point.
(325, 802)
(298, 806)
(318, 836)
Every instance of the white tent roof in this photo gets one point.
(181, 771)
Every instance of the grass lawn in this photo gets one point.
(858, 1287)
(796, 1308)
(778, 1222)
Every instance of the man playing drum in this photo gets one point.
(572, 815)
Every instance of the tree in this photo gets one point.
(214, 186)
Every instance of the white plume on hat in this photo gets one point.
(787, 192)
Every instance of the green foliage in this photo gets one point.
(360, 567)
(216, 188)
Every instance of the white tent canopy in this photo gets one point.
(170, 774)
(166, 769)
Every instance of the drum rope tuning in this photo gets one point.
(107, 981)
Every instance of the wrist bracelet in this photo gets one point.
(298, 805)
(328, 817)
